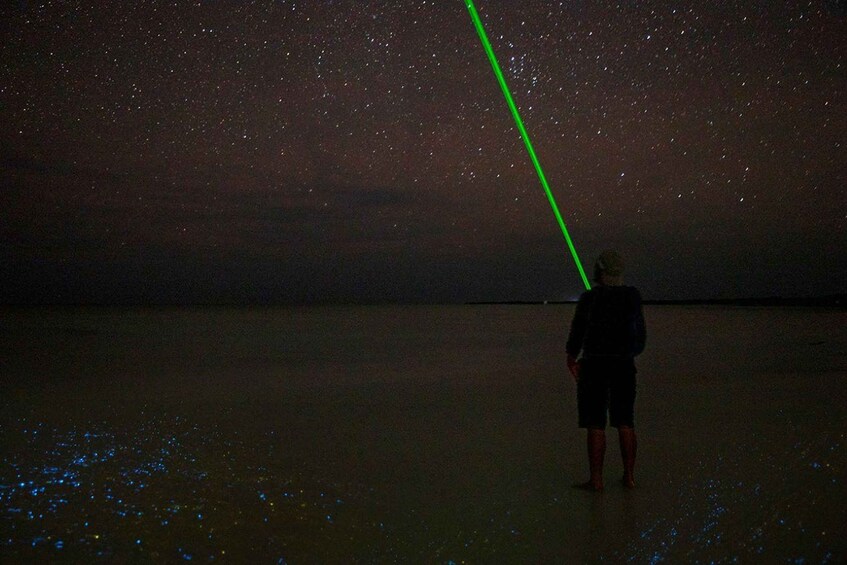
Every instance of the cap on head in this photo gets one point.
(610, 264)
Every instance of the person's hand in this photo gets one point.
(573, 367)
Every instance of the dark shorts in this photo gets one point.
(606, 386)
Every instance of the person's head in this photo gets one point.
(608, 269)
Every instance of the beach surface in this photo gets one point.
(422, 434)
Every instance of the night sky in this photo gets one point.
(319, 151)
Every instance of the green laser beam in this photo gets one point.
(502, 80)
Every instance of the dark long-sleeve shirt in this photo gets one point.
(609, 322)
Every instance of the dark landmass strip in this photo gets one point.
(830, 301)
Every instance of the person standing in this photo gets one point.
(608, 331)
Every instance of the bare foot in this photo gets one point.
(589, 486)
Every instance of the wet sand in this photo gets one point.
(422, 434)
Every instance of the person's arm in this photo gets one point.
(577, 334)
(640, 326)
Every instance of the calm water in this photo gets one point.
(413, 434)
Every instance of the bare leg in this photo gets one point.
(629, 446)
(596, 451)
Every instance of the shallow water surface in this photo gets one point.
(423, 434)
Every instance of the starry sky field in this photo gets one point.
(360, 151)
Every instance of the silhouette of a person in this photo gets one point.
(608, 330)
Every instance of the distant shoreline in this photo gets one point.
(831, 301)
(828, 301)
